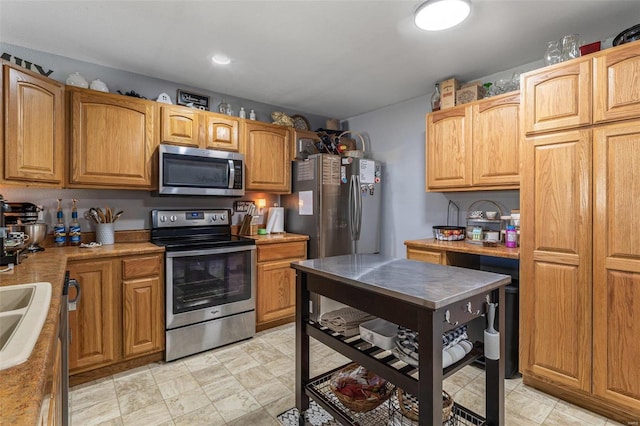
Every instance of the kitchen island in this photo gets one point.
(423, 297)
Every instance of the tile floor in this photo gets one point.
(251, 382)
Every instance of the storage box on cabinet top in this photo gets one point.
(469, 93)
(448, 93)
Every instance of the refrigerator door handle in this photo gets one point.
(353, 207)
(358, 195)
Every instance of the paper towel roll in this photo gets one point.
(275, 221)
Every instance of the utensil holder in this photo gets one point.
(105, 233)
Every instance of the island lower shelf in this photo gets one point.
(384, 363)
(386, 414)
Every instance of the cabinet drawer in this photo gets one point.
(141, 266)
(428, 256)
(293, 250)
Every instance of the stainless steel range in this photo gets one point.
(210, 280)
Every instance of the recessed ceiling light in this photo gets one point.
(436, 15)
(221, 59)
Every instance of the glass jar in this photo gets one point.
(570, 47)
(553, 55)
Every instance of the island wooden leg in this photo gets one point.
(430, 367)
(302, 344)
(494, 370)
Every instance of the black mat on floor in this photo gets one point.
(315, 416)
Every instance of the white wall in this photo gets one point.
(397, 138)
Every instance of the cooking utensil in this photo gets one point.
(117, 216)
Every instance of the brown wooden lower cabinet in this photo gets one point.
(276, 283)
(119, 316)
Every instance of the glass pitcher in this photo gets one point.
(570, 47)
(553, 55)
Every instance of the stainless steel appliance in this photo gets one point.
(193, 171)
(65, 342)
(336, 201)
(210, 280)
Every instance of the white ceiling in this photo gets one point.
(332, 58)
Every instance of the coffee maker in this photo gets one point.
(5, 258)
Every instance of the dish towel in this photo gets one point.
(345, 321)
(455, 345)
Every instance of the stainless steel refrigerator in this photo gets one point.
(336, 201)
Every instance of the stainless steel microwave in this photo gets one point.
(194, 171)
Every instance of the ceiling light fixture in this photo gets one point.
(436, 15)
(221, 59)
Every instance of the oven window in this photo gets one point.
(210, 280)
(198, 172)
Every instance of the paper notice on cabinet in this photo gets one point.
(305, 203)
(367, 171)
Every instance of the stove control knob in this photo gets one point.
(173, 218)
(163, 218)
(214, 218)
(222, 218)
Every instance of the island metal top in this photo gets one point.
(426, 284)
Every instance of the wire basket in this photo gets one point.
(360, 405)
(409, 405)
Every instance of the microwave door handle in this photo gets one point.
(232, 174)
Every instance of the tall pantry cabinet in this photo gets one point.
(580, 249)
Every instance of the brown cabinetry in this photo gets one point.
(93, 323)
(276, 282)
(579, 250)
(112, 140)
(143, 302)
(198, 129)
(266, 148)
(33, 149)
(120, 313)
(475, 146)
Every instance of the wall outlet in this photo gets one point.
(242, 206)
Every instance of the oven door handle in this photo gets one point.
(232, 174)
(173, 254)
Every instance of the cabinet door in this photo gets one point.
(557, 97)
(180, 126)
(449, 148)
(616, 88)
(93, 324)
(34, 137)
(555, 259)
(616, 266)
(112, 140)
(266, 149)
(496, 141)
(143, 315)
(276, 294)
(221, 132)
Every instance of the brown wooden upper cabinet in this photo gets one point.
(475, 146)
(185, 126)
(112, 140)
(266, 148)
(616, 83)
(594, 89)
(34, 134)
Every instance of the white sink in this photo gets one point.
(23, 309)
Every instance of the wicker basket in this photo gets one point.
(361, 405)
(409, 405)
